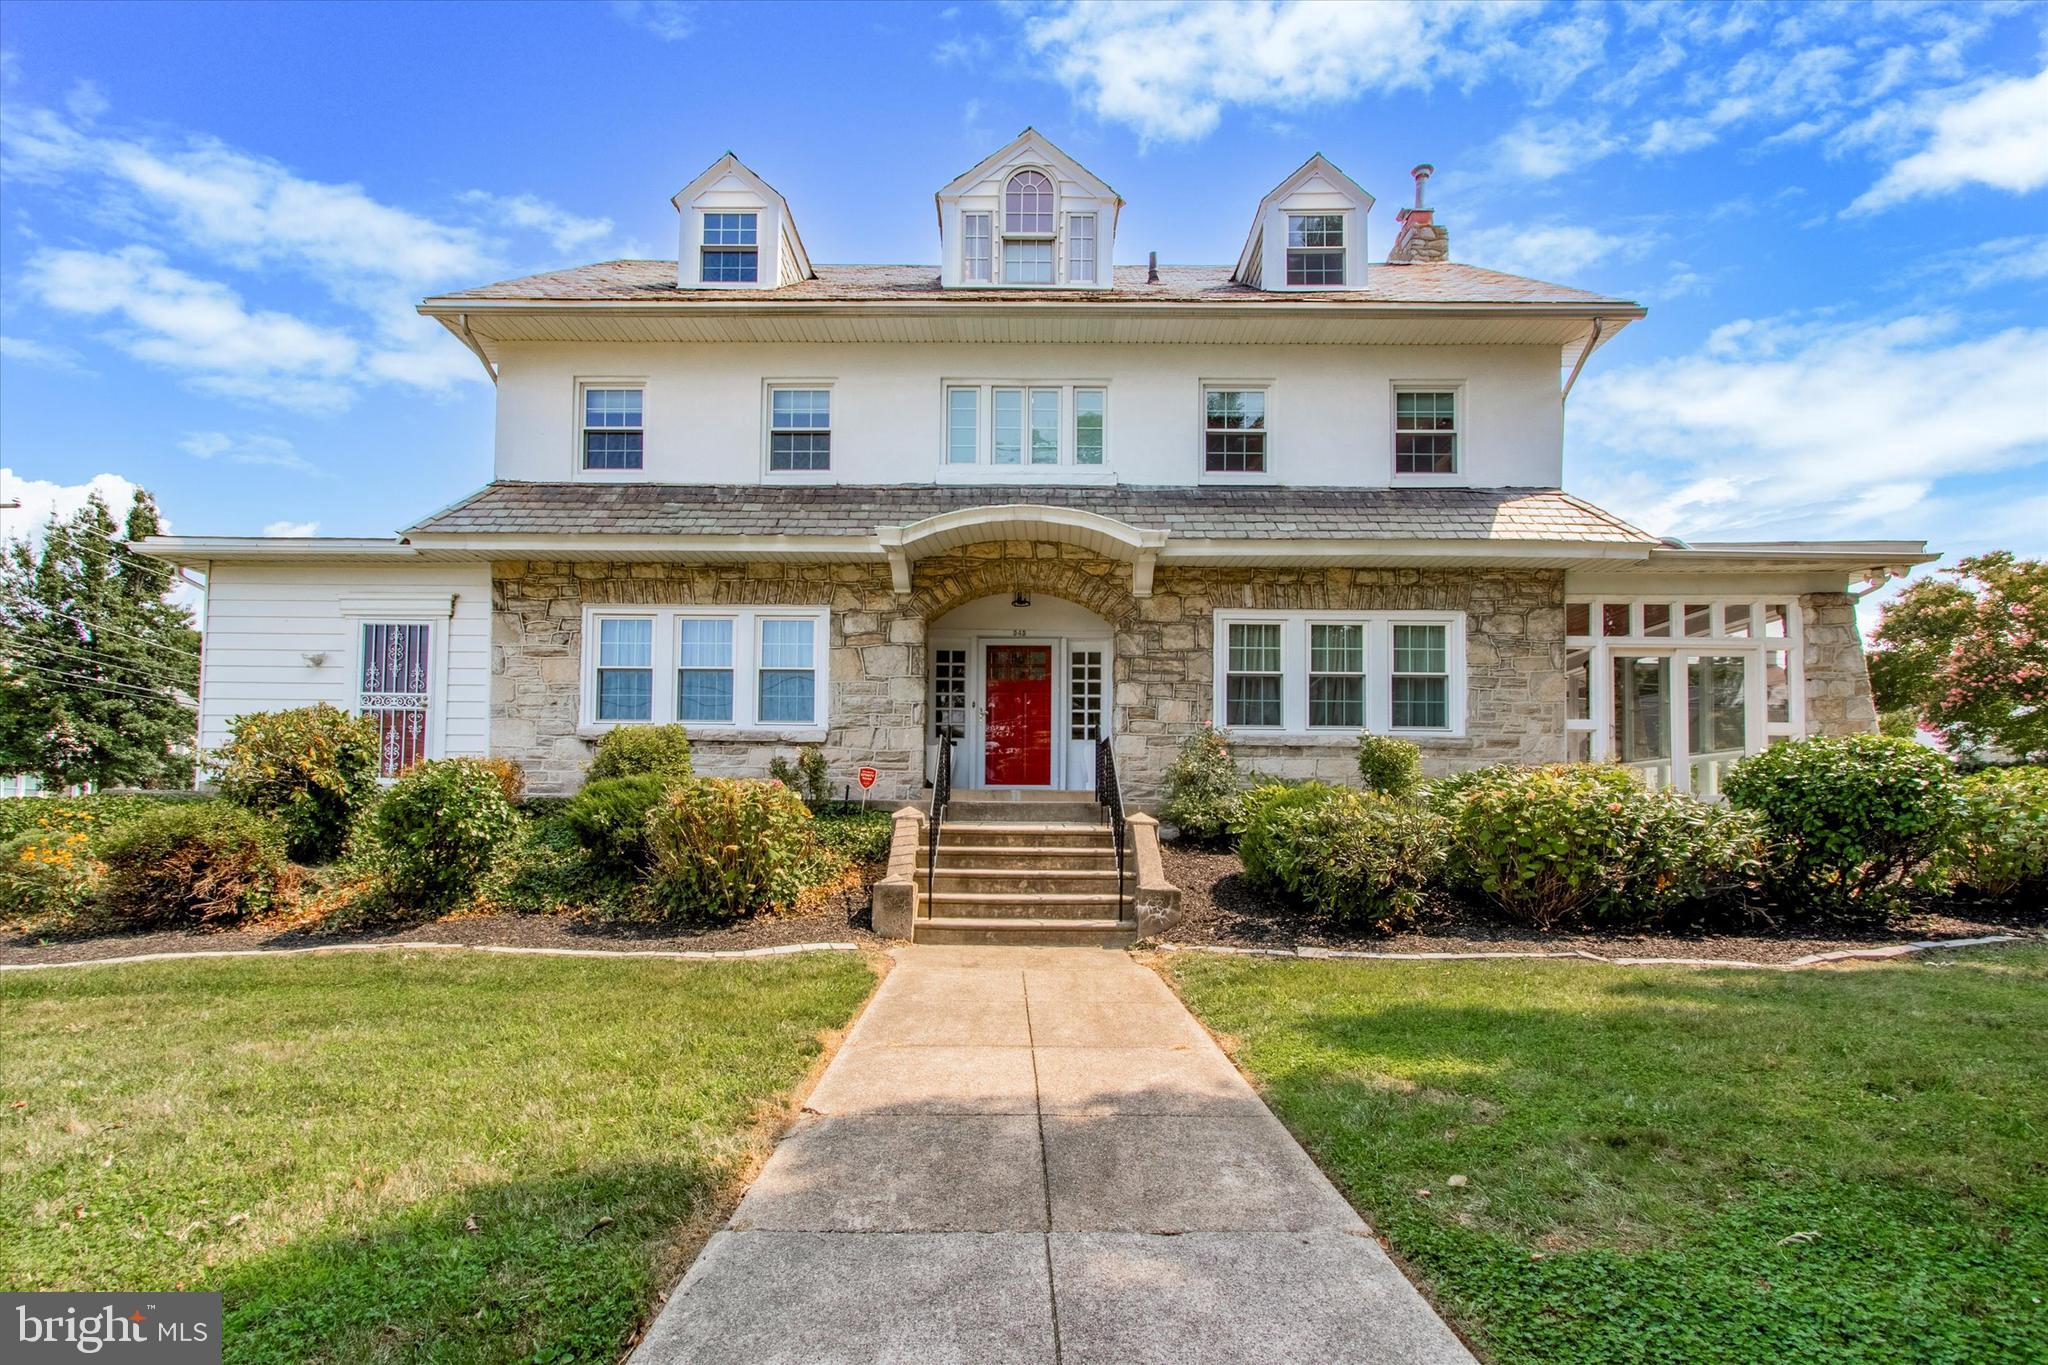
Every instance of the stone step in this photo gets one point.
(1020, 859)
(1008, 882)
(1047, 905)
(1037, 812)
(984, 835)
(967, 930)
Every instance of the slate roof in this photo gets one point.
(1433, 282)
(1206, 513)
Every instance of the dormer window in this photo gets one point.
(1315, 250)
(1027, 229)
(732, 253)
(975, 257)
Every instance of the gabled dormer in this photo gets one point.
(1309, 233)
(1028, 217)
(737, 232)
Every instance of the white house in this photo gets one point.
(1040, 493)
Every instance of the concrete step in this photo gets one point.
(1021, 859)
(1008, 882)
(980, 834)
(1038, 812)
(1089, 933)
(1047, 905)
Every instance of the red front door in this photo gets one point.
(1018, 749)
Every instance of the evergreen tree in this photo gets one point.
(97, 671)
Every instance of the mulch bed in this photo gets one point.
(1219, 909)
(841, 917)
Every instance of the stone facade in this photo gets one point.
(1163, 676)
(1837, 678)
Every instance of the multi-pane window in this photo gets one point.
(1234, 431)
(1081, 248)
(963, 425)
(1027, 262)
(731, 252)
(1252, 684)
(1027, 425)
(395, 692)
(1045, 426)
(704, 669)
(1315, 250)
(1425, 432)
(612, 434)
(789, 671)
(625, 668)
(974, 247)
(1084, 694)
(1027, 203)
(1336, 675)
(1007, 443)
(1422, 678)
(949, 693)
(1090, 409)
(799, 429)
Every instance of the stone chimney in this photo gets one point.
(1422, 238)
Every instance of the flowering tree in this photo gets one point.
(1967, 654)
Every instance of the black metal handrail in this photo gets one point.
(1109, 796)
(942, 792)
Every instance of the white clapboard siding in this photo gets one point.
(263, 619)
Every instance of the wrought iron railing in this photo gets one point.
(942, 792)
(1109, 796)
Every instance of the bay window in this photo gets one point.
(728, 668)
(1303, 674)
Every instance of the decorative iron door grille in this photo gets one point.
(396, 667)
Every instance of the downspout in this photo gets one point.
(469, 340)
(1599, 325)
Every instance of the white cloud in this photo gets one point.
(1997, 136)
(1783, 426)
(292, 528)
(1548, 250)
(252, 449)
(1545, 149)
(669, 20)
(198, 327)
(2003, 260)
(564, 230)
(42, 499)
(86, 102)
(29, 351)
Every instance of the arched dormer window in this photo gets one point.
(1027, 229)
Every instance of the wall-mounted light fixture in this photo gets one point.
(314, 660)
(1022, 599)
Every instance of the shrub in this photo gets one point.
(1581, 842)
(313, 768)
(92, 814)
(1268, 862)
(641, 751)
(438, 826)
(1202, 788)
(1245, 807)
(858, 836)
(726, 847)
(47, 872)
(195, 863)
(1998, 845)
(511, 777)
(1850, 818)
(1362, 858)
(543, 869)
(609, 818)
(1392, 767)
(809, 777)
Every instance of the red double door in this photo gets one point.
(1017, 747)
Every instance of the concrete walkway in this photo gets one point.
(1036, 1154)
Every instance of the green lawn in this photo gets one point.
(384, 1156)
(1685, 1165)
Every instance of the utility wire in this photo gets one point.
(99, 684)
(183, 651)
(87, 658)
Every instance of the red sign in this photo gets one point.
(867, 778)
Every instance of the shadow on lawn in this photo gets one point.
(550, 1270)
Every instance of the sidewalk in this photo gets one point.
(1036, 1154)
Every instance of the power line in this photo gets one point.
(86, 658)
(183, 651)
(117, 547)
(100, 684)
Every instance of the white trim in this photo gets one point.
(746, 672)
(1379, 660)
(1461, 416)
(1203, 388)
(771, 475)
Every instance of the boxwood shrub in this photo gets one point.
(1998, 846)
(1392, 767)
(438, 827)
(641, 751)
(191, 863)
(609, 818)
(727, 847)
(314, 768)
(1851, 818)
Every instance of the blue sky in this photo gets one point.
(214, 219)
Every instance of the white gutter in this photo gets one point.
(469, 340)
(1592, 340)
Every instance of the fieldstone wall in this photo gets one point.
(1163, 675)
(1837, 678)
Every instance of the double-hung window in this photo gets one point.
(1306, 673)
(732, 255)
(1315, 250)
(726, 667)
(1039, 426)
(1090, 425)
(612, 433)
(1027, 229)
(1234, 431)
(799, 430)
(1081, 248)
(974, 248)
(1425, 431)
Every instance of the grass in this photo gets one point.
(382, 1156)
(1848, 1165)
